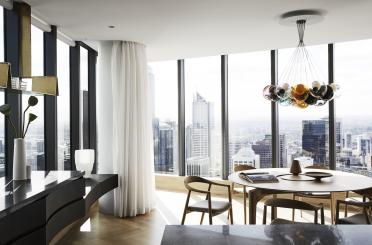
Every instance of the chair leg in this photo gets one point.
(346, 196)
(184, 217)
(332, 209)
(202, 218)
(231, 216)
(210, 219)
(301, 199)
(245, 204)
(293, 210)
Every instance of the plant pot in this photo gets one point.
(19, 160)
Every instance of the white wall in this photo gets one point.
(104, 120)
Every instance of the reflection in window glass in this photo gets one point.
(304, 132)
(163, 79)
(35, 134)
(63, 105)
(203, 116)
(249, 112)
(84, 105)
(353, 62)
(2, 100)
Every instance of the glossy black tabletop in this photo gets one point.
(15, 194)
(303, 234)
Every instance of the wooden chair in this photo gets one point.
(316, 195)
(244, 189)
(291, 204)
(363, 218)
(213, 208)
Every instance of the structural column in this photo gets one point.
(12, 55)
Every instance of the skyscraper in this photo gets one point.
(314, 136)
(164, 156)
(200, 158)
(263, 149)
(315, 140)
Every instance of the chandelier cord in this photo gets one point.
(301, 30)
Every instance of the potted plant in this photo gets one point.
(19, 154)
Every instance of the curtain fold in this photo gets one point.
(132, 130)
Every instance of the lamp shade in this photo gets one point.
(84, 160)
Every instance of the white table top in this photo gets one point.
(339, 182)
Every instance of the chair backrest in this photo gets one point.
(194, 179)
(292, 204)
(317, 166)
(242, 167)
(289, 203)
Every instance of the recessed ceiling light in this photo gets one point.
(112, 27)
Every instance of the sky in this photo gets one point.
(250, 72)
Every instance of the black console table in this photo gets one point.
(32, 212)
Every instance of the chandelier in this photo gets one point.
(301, 84)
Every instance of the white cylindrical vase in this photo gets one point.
(19, 160)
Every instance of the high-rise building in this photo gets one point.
(263, 149)
(346, 141)
(201, 154)
(314, 137)
(315, 140)
(246, 156)
(164, 146)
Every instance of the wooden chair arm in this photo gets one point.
(354, 203)
(219, 184)
(197, 190)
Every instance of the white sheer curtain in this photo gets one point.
(132, 130)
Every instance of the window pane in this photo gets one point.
(304, 132)
(353, 62)
(63, 105)
(163, 78)
(249, 112)
(84, 105)
(35, 134)
(2, 99)
(203, 116)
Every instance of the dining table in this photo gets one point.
(339, 181)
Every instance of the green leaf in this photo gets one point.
(32, 101)
(6, 109)
(31, 117)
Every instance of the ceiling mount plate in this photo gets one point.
(312, 16)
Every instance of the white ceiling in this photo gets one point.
(174, 29)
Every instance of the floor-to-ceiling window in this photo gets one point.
(303, 133)
(163, 79)
(2, 125)
(84, 99)
(249, 112)
(203, 144)
(353, 62)
(35, 135)
(63, 105)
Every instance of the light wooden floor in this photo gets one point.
(148, 229)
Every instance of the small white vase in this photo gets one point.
(19, 160)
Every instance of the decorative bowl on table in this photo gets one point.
(318, 175)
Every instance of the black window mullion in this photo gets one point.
(274, 112)
(181, 118)
(50, 102)
(92, 61)
(74, 102)
(332, 113)
(225, 116)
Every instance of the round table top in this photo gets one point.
(339, 182)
